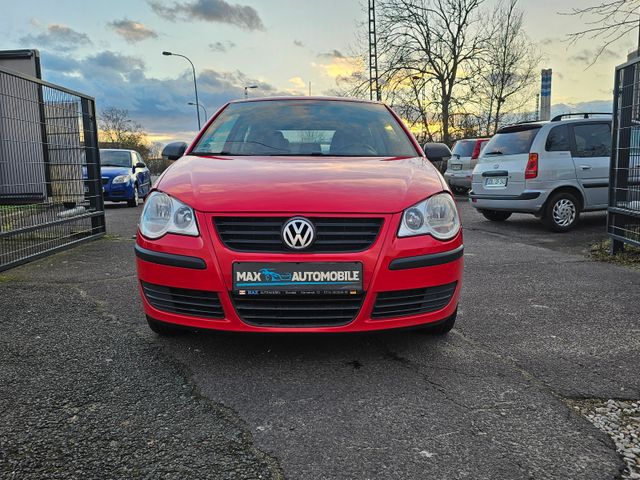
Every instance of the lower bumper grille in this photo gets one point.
(199, 303)
(299, 310)
(402, 303)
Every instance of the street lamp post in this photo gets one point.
(206, 117)
(246, 90)
(195, 84)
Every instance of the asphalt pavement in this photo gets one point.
(89, 392)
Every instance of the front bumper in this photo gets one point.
(391, 265)
(117, 192)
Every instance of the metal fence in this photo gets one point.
(623, 223)
(50, 187)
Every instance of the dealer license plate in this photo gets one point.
(256, 278)
(495, 181)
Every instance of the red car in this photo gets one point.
(300, 215)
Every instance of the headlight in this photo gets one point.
(163, 214)
(121, 179)
(436, 216)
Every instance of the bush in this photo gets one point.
(158, 165)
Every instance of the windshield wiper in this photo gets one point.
(495, 152)
(224, 153)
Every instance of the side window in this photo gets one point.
(593, 140)
(558, 139)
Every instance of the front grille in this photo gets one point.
(299, 310)
(199, 303)
(262, 234)
(401, 303)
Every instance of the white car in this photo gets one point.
(554, 170)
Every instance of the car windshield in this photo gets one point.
(511, 141)
(115, 158)
(305, 128)
(463, 148)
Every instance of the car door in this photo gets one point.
(591, 153)
(143, 175)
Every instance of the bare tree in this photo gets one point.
(507, 70)
(434, 39)
(609, 21)
(118, 130)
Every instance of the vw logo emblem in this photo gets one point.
(298, 233)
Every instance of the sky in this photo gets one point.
(112, 51)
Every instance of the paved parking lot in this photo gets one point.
(89, 392)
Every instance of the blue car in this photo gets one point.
(272, 276)
(125, 177)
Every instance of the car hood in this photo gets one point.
(301, 184)
(114, 171)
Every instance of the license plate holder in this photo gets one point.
(456, 166)
(259, 278)
(495, 182)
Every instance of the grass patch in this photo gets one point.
(6, 279)
(630, 257)
(111, 237)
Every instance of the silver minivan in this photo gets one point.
(554, 170)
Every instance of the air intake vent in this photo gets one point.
(298, 310)
(333, 235)
(402, 303)
(198, 303)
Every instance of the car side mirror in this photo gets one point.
(174, 150)
(437, 152)
(140, 165)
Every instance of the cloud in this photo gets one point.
(132, 31)
(298, 43)
(332, 54)
(298, 82)
(587, 57)
(160, 105)
(219, 11)
(338, 66)
(56, 36)
(221, 47)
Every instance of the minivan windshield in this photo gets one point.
(511, 141)
(305, 128)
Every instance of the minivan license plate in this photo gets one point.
(495, 182)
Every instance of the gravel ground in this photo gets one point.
(621, 421)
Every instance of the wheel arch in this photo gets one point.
(572, 189)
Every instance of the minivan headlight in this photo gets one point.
(436, 216)
(163, 214)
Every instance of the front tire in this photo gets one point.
(495, 215)
(163, 329)
(135, 201)
(441, 328)
(561, 212)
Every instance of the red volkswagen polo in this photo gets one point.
(300, 215)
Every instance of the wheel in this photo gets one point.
(136, 197)
(561, 212)
(441, 328)
(495, 215)
(164, 329)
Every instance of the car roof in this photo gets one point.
(541, 123)
(301, 97)
(116, 150)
